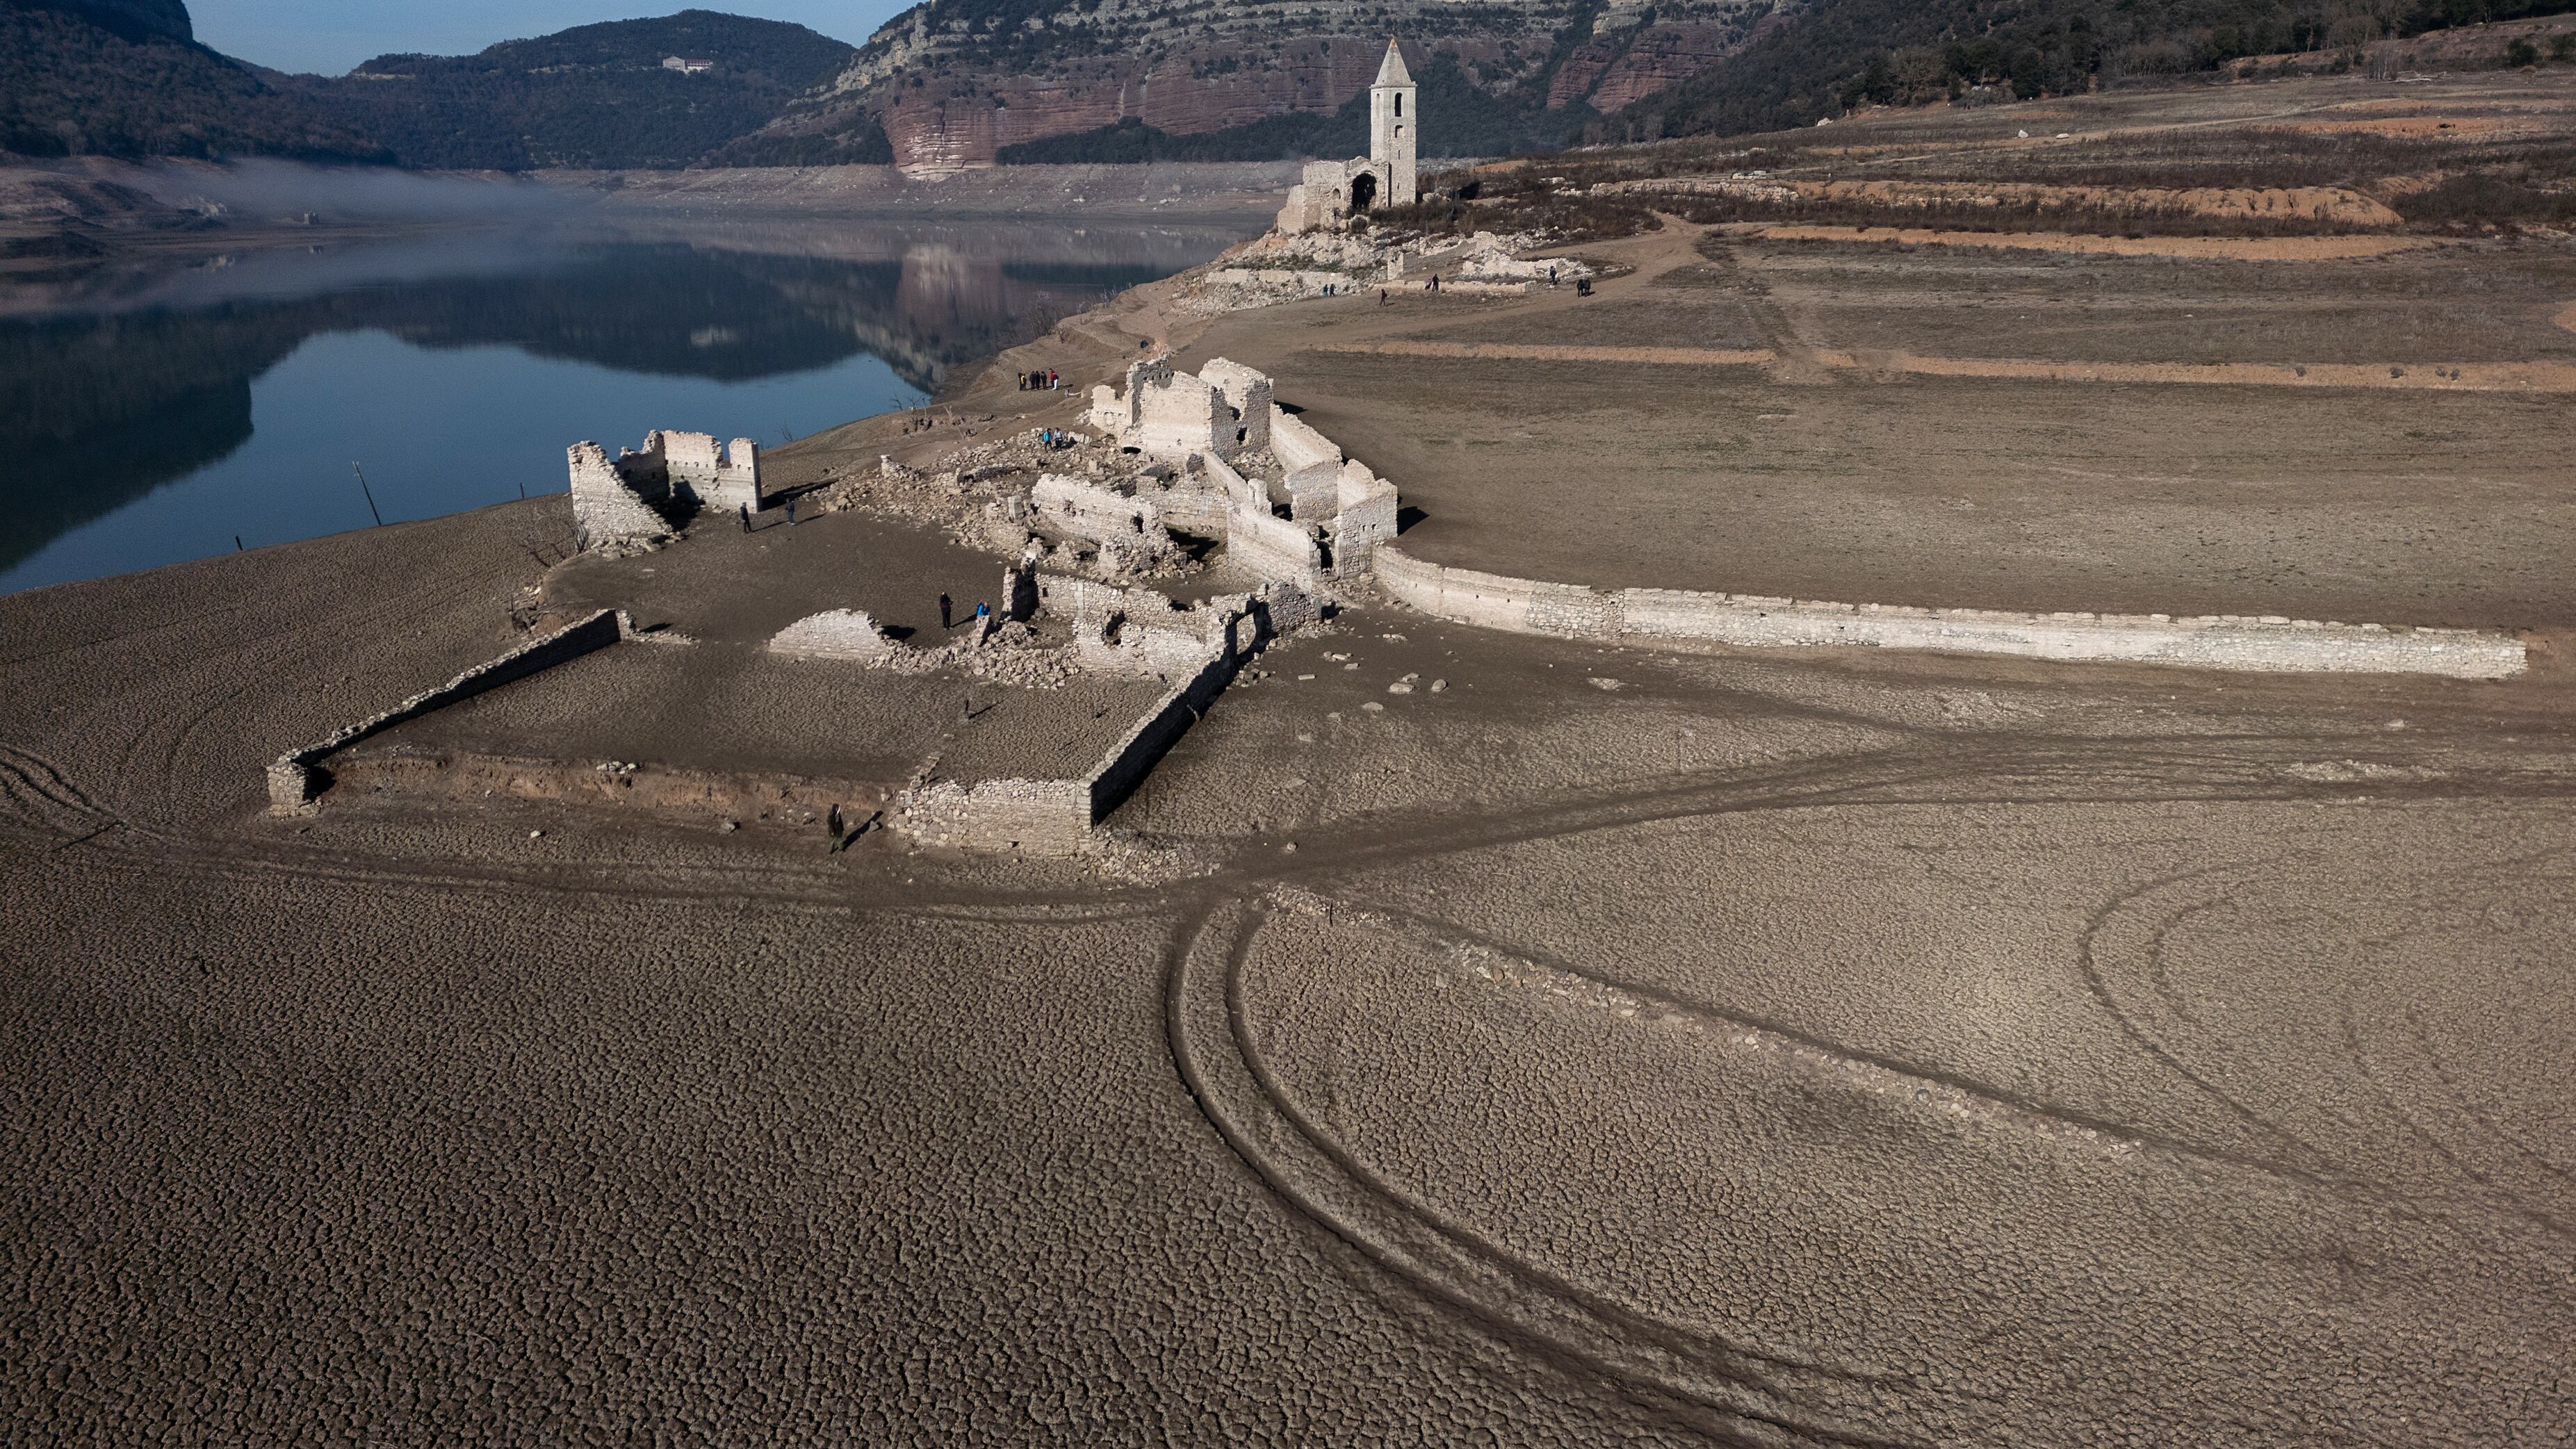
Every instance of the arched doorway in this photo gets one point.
(1363, 191)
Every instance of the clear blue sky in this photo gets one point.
(327, 37)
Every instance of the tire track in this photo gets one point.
(1725, 1389)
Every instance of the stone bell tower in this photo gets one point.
(1394, 130)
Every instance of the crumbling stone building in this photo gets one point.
(626, 501)
(1330, 193)
(1321, 518)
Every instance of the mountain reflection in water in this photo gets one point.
(158, 414)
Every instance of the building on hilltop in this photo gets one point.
(1332, 192)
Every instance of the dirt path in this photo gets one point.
(2194, 248)
(2528, 377)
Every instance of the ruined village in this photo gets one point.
(1187, 521)
(1904, 782)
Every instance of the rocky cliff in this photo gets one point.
(954, 82)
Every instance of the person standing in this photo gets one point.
(742, 512)
(791, 513)
(943, 613)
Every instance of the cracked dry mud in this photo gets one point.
(1784, 1049)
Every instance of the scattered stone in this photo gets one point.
(1374, 707)
(1607, 686)
(1399, 687)
(1439, 686)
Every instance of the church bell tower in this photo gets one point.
(1394, 130)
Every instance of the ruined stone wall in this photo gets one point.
(737, 480)
(1247, 393)
(1233, 486)
(688, 460)
(1140, 631)
(1272, 548)
(1296, 445)
(1128, 762)
(1108, 411)
(1040, 817)
(692, 466)
(607, 510)
(1195, 507)
(1176, 415)
(294, 778)
(1087, 510)
(1364, 517)
(1202, 648)
(1314, 493)
(1652, 616)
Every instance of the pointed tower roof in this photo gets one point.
(1393, 73)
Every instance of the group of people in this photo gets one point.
(1043, 380)
(982, 612)
(1582, 286)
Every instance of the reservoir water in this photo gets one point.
(165, 414)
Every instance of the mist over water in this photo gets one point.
(176, 407)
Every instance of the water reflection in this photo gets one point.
(495, 349)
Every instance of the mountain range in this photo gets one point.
(126, 78)
(952, 84)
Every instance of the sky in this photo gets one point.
(328, 37)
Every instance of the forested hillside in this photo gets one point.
(76, 83)
(594, 96)
(1836, 54)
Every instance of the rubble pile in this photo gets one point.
(1272, 269)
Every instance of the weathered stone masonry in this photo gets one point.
(618, 503)
(294, 779)
(1662, 616)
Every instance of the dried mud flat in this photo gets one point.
(1770, 1048)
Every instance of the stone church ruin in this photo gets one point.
(1332, 192)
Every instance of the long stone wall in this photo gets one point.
(294, 777)
(1296, 445)
(1652, 616)
(1127, 763)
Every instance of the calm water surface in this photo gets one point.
(162, 416)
